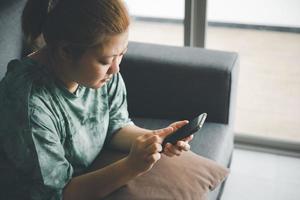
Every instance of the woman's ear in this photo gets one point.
(64, 52)
(69, 52)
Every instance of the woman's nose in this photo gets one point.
(115, 68)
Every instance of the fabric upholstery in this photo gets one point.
(10, 32)
(188, 177)
(174, 82)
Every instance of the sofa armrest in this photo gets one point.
(180, 82)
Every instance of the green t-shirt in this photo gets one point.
(47, 134)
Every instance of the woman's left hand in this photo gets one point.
(182, 145)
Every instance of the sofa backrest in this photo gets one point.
(171, 82)
(10, 32)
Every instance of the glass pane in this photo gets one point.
(157, 21)
(268, 41)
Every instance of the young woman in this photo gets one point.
(63, 102)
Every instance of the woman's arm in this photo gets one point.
(99, 183)
(144, 146)
(144, 153)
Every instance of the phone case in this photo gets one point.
(190, 128)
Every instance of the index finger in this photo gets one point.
(164, 132)
(179, 124)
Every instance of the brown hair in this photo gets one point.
(78, 23)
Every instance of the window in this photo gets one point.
(268, 42)
(157, 21)
(267, 37)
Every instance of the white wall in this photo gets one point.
(257, 12)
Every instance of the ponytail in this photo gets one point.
(33, 18)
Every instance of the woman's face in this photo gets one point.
(97, 65)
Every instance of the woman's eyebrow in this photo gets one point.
(124, 50)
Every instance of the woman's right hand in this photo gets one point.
(145, 150)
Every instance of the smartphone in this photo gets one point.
(193, 126)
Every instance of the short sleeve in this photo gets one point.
(118, 113)
(54, 171)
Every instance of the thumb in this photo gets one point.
(164, 132)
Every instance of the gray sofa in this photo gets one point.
(167, 83)
(164, 84)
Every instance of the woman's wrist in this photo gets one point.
(128, 166)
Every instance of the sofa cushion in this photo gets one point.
(187, 177)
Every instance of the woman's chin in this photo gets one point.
(99, 84)
(96, 84)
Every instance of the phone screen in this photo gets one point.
(193, 126)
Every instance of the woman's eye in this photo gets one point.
(106, 61)
(103, 63)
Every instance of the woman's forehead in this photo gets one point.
(113, 45)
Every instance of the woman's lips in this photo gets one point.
(106, 79)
